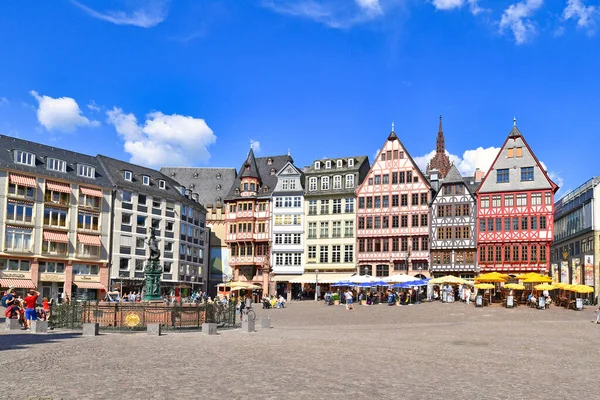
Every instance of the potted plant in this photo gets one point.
(336, 299)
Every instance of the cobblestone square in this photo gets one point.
(429, 351)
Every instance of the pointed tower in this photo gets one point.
(440, 161)
(515, 209)
(393, 214)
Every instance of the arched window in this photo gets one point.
(218, 187)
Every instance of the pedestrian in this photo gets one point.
(46, 308)
(63, 297)
(30, 304)
(468, 295)
(348, 296)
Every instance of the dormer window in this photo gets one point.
(351, 162)
(247, 167)
(173, 174)
(218, 199)
(339, 163)
(317, 164)
(272, 171)
(162, 184)
(23, 157)
(192, 186)
(195, 175)
(269, 161)
(54, 164)
(218, 176)
(86, 171)
(146, 180)
(237, 191)
(218, 187)
(266, 189)
(128, 176)
(327, 164)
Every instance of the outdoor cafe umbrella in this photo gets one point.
(361, 279)
(492, 277)
(343, 283)
(447, 279)
(484, 286)
(538, 279)
(514, 286)
(544, 286)
(582, 289)
(526, 276)
(399, 278)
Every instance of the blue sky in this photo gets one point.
(193, 82)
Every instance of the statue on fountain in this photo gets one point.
(153, 270)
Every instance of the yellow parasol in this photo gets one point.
(514, 286)
(492, 277)
(538, 279)
(522, 277)
(559, 285)
(544, 286)
(582, 289)
(567, 287)
(484, 286)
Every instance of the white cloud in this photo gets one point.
(60, 114)
(255, 144)
(146, 15)
(93, 106)
(585, 15)
(333, 13)
(467, 163)
(163, 139)
(446, 5)
(517, 18)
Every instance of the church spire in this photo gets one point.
(440, 145)
(440, 161)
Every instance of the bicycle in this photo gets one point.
(250, 314)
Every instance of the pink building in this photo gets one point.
(393, 215)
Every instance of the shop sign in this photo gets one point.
(576, 271)
(46, 277)
(86, 278)
(589, 269)
(564, 271)
(16, 275)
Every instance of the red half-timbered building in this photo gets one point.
(393, 214)
(515, 209)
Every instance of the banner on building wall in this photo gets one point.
(564, 271)
(576, 271)
(219, 262)
(554, 272)
(589, 269)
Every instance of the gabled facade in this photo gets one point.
(393, 214)
(248, 212)
(287, 227)
(515, 211)
(453, 228)
(330, 206)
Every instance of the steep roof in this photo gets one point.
(43, 153)
(211, 184)
(116, 173)
(264, 166)
(453, 176)
(253, 170)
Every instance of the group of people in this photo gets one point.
(25, 309)
(273, 302)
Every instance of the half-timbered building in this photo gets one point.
(515, 208)
(453, 233)
(393, 214)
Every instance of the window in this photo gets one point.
(369, 222)
(325, 183)
(18, 239)
(128, 176)
(502, 175)
(167, 265)
(395, 200)
(312, 252)
(496, 201)
(19, 212)
(536, 199)
(485, 202)
(86, 171)
(317, 165)
(349, 205)
(395, 221)
(337, 206)
(312, 184)
(524, 221)
(386, 179)
(146, 180)
(324, 229)
(339, 163)
(510, 153)
(88, 221)
(414, 220)
(519, 152)
(15, 265)
(54, 164)
(337, 182)
(23, 157)
(370, 181)
(498, 226)
(378, 179)
(21, 191)
(369, 202)
(349, 181)
(349, 253)
(86, 250)
(323, 254)
(404, 200)
(126, 196)
(54, 248)
(141, 221)
(336, 253)
(377, 202)
(89, 201)
(404, 221)
(521, 199)
(509, 200)
(527, 173)
(156, 224)
(55, 217)
(52, 267)
(168, 247)
(123, 264)
(424, 218)
(482, 225)
(382, 270)
(162, 185)
(328, 164)
(382, 156)
(324, 207)
(548, 199)
(51, 196)
(542, 222)
(351, 162)
(349, 228)
(424, 199)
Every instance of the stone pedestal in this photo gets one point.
(154, 329)
(91, 329)
(39, 326)
(12, 324)
(248, 326)
(265, 323)
(209, 328)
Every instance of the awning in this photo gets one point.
(59, 237)
(90, 240)
(90, 192)
(17, 283)
(90, 285)
(22, 180)
(58, 187)
(323, 278)
(285, 278)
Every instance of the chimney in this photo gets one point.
(434, 178)
(479, 174)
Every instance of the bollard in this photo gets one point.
(39, 326)
(91, 329)
(265, 323)
(209, 328)
(12, 324)
(248, 326)
(154, 329)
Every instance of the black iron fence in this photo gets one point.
(137, 316)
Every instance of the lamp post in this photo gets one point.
(316, 284)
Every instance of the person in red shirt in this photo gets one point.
(30, 304)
